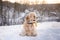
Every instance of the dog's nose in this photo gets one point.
(33, 20)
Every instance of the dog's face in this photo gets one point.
(31, 17)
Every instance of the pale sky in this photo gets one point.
(35, 1)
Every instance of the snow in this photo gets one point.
(45, 30)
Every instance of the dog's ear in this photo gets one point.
(27, 18)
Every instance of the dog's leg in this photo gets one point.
(33, 31)
(28, 31)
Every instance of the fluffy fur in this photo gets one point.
(30, 25)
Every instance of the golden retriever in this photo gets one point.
(30, 24)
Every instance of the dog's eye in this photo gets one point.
(27, 18)
(34, 16)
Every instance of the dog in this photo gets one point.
(30, 24)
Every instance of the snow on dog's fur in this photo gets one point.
(30, 25)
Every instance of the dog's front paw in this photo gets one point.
(34, 34)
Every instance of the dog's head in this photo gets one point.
(31, 18)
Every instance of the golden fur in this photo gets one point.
(30, 24)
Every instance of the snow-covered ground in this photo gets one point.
(45, 30)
